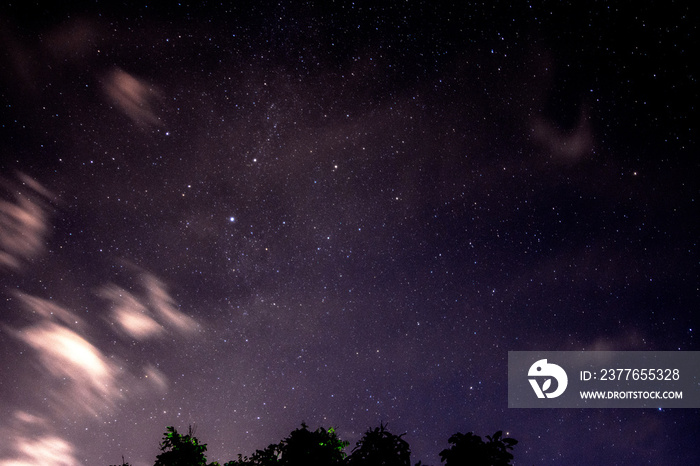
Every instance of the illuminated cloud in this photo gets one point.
(29, 419)
(23, 224)
(30, 442)
(68, 356)
(166, 307)
(155, 378)
(137, 324)
(42, 451)
(148, 315)
(133, 96)
(82, 380)
(129, 314)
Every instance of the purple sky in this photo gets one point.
(345, 214)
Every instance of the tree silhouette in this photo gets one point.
(469, 450)
(302, 448)
(320, 447)
(267, 457)
(379, 447)
(181, 450)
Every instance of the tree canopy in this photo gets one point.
(181, 450)
(379, 447)
(469, 449)
(323, 447)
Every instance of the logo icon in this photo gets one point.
(542, 368)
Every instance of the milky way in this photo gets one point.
(339, 213)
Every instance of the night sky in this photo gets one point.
(245, 217)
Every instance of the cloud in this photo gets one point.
(30, 442)
(165, 306)
(67, 356)
(137, 324)
(564, 145)
(133, 96)
(24, 223)
(156, 378)
(73, 40)
(48, 309)
(47, 450)
(130, 314)
(76, 378)
(149, 315)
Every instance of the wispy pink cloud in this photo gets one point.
(24, 223)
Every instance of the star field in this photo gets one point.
(340, 213)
